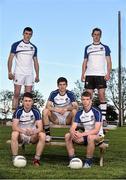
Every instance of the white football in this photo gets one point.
(76, 163)
(19, 161)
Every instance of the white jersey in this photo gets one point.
(27, 119)
(24, 54)
(96, 56)
(59, 100)
(88, 119)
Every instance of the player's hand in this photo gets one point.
(107, 76)
(10, 76)
(63, 110)
(29, 131)
(83, 78)
(37, 79)
(77, 135)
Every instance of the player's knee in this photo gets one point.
(42, 136)
(14, 136)
(45, 112)
(90, 138)
(67, 137)
(74, 111)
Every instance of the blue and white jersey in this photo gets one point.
(24, 54)
(59, 100)
(88, 119)
(27, 119)
(96, 55)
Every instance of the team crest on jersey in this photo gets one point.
(31, 47)
(101, 48)
(92, 118)
(32, 117)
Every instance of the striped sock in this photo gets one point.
(103, 107)
(47, 129)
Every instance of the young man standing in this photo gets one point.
(25, 54)
(96, 68)
(61, 107)
(90, 119)
(27, 128)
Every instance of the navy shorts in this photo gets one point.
(95, 82)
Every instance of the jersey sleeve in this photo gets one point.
(71, 95)
(107, 51)
(85, 53)
(37, 114)
(97, 114)
(17, 113)
(13, 48)
(35, 53)
(77, 117)
(52, 95)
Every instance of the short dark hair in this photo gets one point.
(61, 79)
(86, 94)
(97, 29)
(28, 94)
(28, 29)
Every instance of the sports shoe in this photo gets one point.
(36, 162)
(88, 163)
(48, 138)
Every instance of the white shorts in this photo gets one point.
(26, 80)
(62, 118)
(25, 139)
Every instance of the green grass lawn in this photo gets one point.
(54, 160)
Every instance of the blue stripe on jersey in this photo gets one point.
(97, 114)
(14, 47)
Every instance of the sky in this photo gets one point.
(62, 28)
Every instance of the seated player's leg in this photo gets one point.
(14, 143)
(70, 117)
(47, 117)
(90, 150)
(69, 146)
(40, 140)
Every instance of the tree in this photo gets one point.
(113, 91)
(6, 101)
